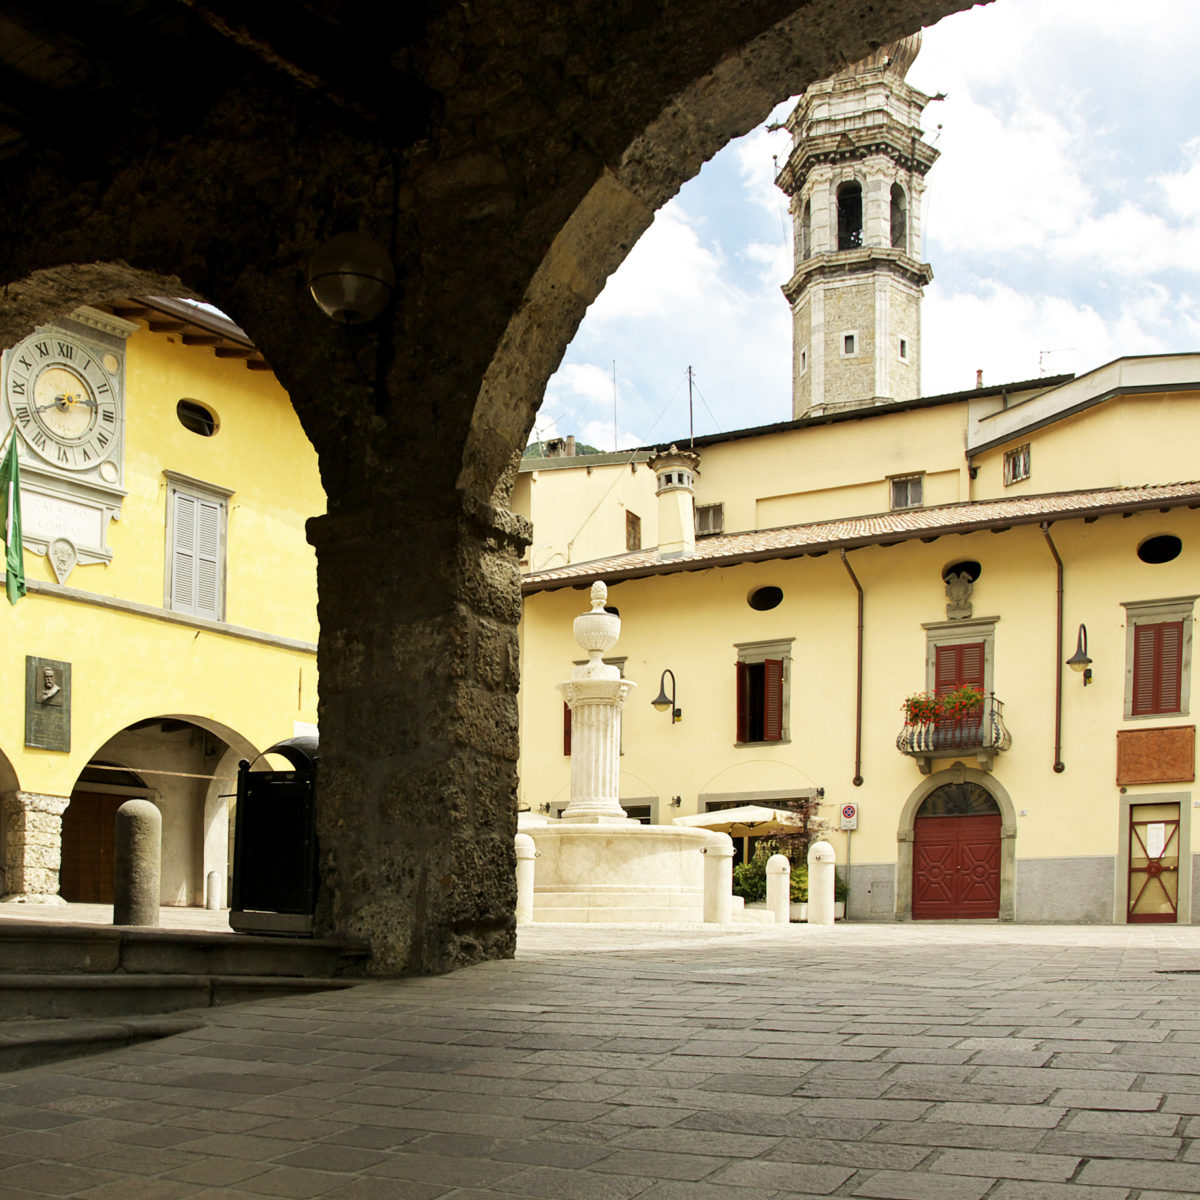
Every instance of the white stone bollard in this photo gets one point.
(821, 863)
(526, 853)
(779, 888)
(718, 880)
(213, 897)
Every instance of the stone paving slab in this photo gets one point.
(888, 1062)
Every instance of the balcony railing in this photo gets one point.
(981, 732)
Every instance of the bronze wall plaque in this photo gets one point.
(1159, 755)
(47, 703)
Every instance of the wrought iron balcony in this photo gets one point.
(981, 732)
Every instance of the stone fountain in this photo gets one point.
(595, 863)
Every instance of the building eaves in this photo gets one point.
(880, 529)
(1042, 384)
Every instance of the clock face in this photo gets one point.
(63, 401)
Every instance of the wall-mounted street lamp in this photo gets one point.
(1079, 661)
(676, 801)
(662, 701)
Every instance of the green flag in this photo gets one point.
(10, 524)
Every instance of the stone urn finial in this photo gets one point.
(597, 631)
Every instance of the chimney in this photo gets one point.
(570, 445)
(676, 471)
(979, 378)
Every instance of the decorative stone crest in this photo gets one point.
(959, 586)
(63, 557)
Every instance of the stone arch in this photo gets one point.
(509, 164)
(906, 828)
(190, 779)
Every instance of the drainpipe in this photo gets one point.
(858, 687)
(1059, 765)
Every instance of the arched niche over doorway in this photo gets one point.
(187, 766)
(969, 789)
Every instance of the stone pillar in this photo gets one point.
(718, 880)
(526, 853)
(779, 888)
(821, 863)
(137, 864)
(33, 846)
(419, 599)
(596, 694)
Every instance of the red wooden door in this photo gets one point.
(956, 867)
(1153, 864)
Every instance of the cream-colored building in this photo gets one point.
(856, 559)
(801, 582)
(169, 628)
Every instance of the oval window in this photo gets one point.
(1160, 549)
(763, 599)
(968, 567)
(195, 417)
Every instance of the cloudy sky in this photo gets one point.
(1062, 222)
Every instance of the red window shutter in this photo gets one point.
(1157, 668)
(958, 666)
(743, 725)
(773, 700)
(566, 728)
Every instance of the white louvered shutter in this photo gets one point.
(183, 562)
(208, 559)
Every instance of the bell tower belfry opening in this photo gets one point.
(856, 175)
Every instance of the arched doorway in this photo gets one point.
(956, 854)
(89, 831)
(956, 849)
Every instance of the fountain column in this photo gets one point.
(596, 695)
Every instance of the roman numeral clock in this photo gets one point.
(64, 396)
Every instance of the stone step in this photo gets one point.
(51, 948)
(43, 997)
(37, 1043)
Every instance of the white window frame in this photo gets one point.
(903, 349)
(919, 476)
(804, 362)
(715, 519)
(850, 333)
(199, 492)
(1018, 464)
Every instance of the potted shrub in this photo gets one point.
(921, 708)
(962, 702)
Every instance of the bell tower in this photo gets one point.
(856, 176)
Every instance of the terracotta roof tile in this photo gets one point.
(902, 525)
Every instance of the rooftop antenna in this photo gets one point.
(1045, 354)
(615, 445)
(691, 422)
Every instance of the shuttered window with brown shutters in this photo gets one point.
(958, 666)
(760, 701)
(1157, 668)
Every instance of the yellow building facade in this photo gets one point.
(860, 559)
(169, 628)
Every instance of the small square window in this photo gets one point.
(710, 518)
(904, 349)
(803, 362)
(907, 491)
(849, 345)
(1016, 464)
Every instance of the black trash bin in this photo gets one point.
(275, 844)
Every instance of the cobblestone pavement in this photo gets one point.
(914, 1062)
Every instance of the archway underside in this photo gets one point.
(510, 164)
